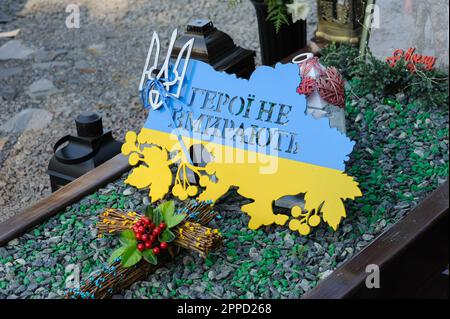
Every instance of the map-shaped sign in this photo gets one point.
(257, 137)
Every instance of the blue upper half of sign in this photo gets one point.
(263, 114)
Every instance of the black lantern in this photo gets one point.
(216, 48)
(76, 155)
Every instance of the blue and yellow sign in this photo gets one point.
(258, 138)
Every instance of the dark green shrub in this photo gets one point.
(376, 77)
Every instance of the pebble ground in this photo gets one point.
(401, 155)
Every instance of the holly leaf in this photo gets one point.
(149, 212)
(116, 254)
(157, 216)
(128, 238)
(131, 256)
(150, 257)
(175, 220)
(168, 213)
(167, 236)
(167, 208)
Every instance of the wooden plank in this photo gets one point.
(59, 200)
(411, 250)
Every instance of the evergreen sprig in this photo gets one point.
(276, 12)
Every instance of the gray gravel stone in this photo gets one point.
(8, 72)
(41, 88)
(224, 273)
(29, 119)
(129, 191)
(15, 50)
(50, 65)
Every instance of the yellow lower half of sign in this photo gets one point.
(260, 177)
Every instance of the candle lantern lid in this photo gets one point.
(216, 48)
(75, 155)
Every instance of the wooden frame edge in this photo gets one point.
(57, 201)
(346, 280)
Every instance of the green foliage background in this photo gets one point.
(423, 88)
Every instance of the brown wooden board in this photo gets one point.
(410, 254)
(59, 200)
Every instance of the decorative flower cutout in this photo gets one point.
(154, 168)
(303, 220)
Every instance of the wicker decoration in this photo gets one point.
(192, 234)
(307, 86)
(115, 278)
(331, 87)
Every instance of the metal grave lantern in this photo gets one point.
(216, 48)
(76, 155)
(340, 20)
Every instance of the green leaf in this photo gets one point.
(175, 220)
(167, 236)
(157, 216)
(131, 256)
(150, 257)
(167, 210)
(127, 238)
(116, 254)
(168, 214)
(149, 212)
(167, 207)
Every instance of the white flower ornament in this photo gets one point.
(299, 10)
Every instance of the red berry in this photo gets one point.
(163, 245)
(151, 238)
(156, 250)
(157, 231)
(138, 236)
(146, 220)
(148, 244)
(162, 226)
(139, 223)
(144, 237)
(141, 229)
(152, 225)
(140, 246)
